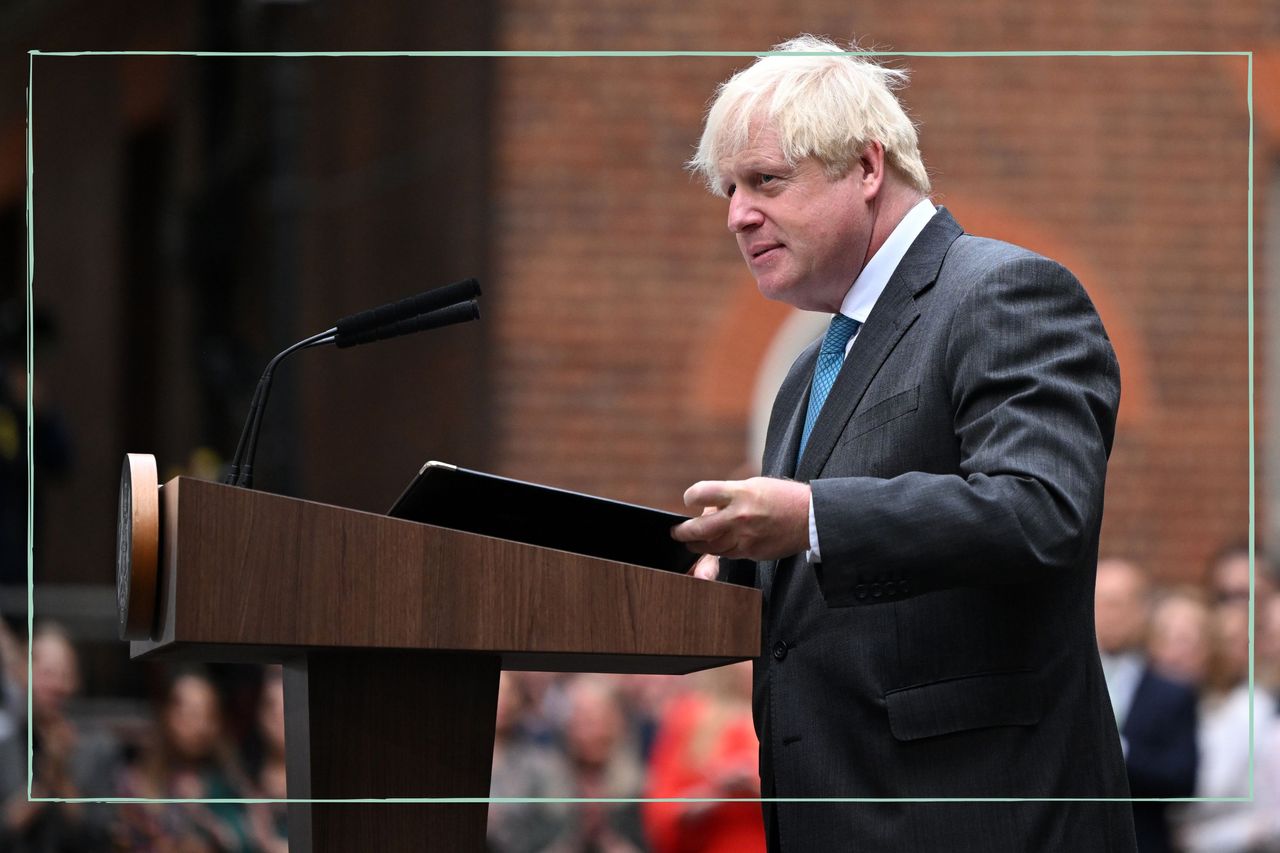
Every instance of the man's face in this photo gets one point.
(803, 236)
(55, 675)
(1120, 608)
(1230, 580)
(1179, 644)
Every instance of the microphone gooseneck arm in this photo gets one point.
(443, 306)
(241, 473)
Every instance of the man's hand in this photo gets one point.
(762, 518)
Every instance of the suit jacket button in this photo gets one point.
(860, 590)
(779, 650)
(904, 587)
(876, 591)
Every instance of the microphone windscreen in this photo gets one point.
(357, 325)
(460, 313)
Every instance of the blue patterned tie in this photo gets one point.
(830, 359)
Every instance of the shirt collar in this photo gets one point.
(871, 282)
(1129, 661)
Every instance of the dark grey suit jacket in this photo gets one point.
(944, 647)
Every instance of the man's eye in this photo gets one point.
(764, 179)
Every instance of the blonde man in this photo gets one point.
(926, 531)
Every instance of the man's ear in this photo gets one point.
(872, 163)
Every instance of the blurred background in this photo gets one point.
(195, 215)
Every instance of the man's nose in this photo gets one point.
(743, 213)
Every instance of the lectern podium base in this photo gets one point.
(378, 724)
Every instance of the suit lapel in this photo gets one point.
(793, 399)
(781, 448)
(894, 312)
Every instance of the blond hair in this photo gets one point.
(827, 106)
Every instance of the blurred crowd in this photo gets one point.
(1177, 662)
(186, 750)
(557, 736)
(1176, 659)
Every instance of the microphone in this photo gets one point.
(461, 313)
(453, 303)
(357, 325)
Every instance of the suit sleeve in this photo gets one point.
(1033, 388)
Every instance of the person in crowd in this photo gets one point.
(265, 763)
(1229, 572)
(189, 759)
(13, 681)
(1156, 716)
(524, 767)
(1267, 643)
(1179, 643)
(603, 763)
(1225, 750)
(706, 747)
(67, 762)
(546, 706)
(644, 700)
(926, 532)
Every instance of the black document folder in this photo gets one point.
(452, 497)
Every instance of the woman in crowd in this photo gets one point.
(1223, 737)
(189, 759)
(67, 762)
(706, 747)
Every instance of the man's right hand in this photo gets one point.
(707, 567)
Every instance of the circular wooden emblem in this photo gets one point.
(137, 546)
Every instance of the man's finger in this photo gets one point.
(710, 525)
(725, 545)
(707, 568)
(709, 493)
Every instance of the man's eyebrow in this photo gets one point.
(762, 163)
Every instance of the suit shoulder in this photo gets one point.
(983, 254)
(981, 265)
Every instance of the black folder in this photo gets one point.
(475, 502)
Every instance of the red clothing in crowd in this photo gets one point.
(705, 749)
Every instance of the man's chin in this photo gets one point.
(777, 290)
(788, 294)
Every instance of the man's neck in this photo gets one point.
(891, 206)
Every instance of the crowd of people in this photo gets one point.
(1177, 664)
(185, 751)
(1176, 659)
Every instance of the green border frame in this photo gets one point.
(31, 54)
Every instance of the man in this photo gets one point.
(1230, 572)
(925, 537)
(1156, 717)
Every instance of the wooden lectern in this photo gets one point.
(392, 635)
